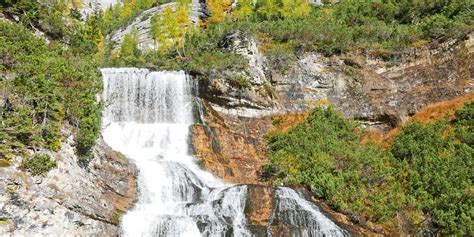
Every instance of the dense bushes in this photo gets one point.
(372, 25)
(43, 85)
(288, 28)
(325, 153)
(425, 176)
(435, 171)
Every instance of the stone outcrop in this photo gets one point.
(88, 6)
(230, 147)
(264, 214)
(380, 92)
(74, 198)
(142, 23)
(231, 139)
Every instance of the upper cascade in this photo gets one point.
(147, 118)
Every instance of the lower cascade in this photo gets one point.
(147, 118)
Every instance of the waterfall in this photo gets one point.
(147, 118)
(301, 217)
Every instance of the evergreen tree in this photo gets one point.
(129, 48)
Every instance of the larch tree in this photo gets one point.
(127, 11)
(163, 28)
(219, 10)
(183, 24)
(244, 9)
(269, 9)
(101, 48)
(295, 8)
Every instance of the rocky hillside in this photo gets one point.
(78, 198)
(378, 93)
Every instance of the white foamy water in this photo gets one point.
(147, 118)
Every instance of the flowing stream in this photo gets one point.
(148, 117)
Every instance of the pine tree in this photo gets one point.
(92, 27)
(129, 48)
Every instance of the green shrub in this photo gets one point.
(425, 175)
(50, 84)
(87, 136)
(465, 124)
(39, 164)
(324, 152)
(436, 174)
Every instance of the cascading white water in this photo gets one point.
(294, 211)
(147, 118)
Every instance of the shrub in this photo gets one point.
(39, 164)
(436, 174)
(465, 124)
(324, 152)
(425, 176)
(51, 84)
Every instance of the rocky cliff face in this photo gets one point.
(231, 147)
(88, 6)
(381, 91)
(76, 199)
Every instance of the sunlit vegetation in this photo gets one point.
(424, 177)
(43, 85)
(288, 28)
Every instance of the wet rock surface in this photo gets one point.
(79, 200)
(280, 211)
(230, 147)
